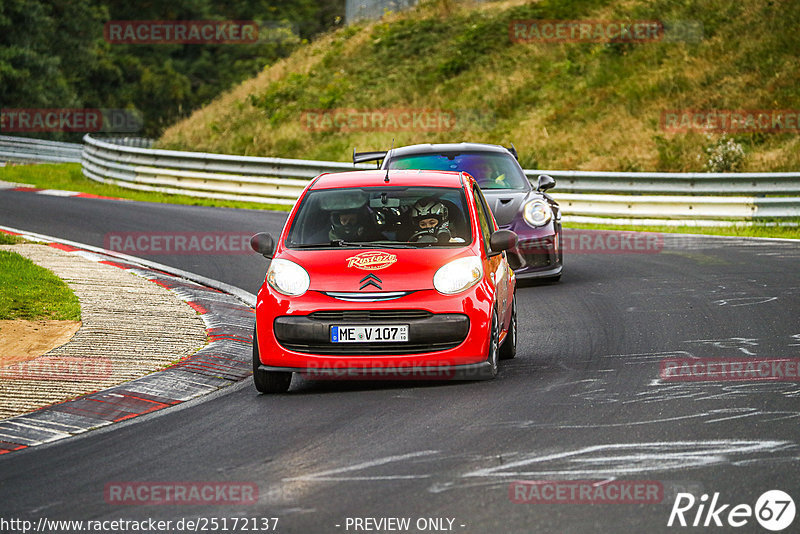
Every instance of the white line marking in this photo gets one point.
(364, 465)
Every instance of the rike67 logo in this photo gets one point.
(774, 510)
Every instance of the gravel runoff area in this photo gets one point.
(131, 327)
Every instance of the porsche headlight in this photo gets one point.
(537, 213)
(287, 277)
(458, 275)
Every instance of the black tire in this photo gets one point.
(494, 334)
(509, 347)
(268, 381)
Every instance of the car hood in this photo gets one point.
(506, 205)
(372, 269)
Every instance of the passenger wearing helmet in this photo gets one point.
(430, 221)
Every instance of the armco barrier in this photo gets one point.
(28, 150)
(219, 176)
(585, 196)
(676, 183)
(701, 198)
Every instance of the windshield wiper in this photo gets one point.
(359, 244)
(369, 244)
(312, 245)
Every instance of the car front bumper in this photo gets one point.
(340, 371)
(538, 252)
(448, 335)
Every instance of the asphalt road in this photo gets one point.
(582, 401)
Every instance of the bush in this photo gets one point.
(724, 155)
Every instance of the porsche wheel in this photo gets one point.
(268, 381)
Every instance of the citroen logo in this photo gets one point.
(370, 280)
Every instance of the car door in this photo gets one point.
(498, 267)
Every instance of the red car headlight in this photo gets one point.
(288, 278)
(458, 275)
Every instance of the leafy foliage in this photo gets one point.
(53, 54)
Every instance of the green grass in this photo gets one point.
(587, 106)
(68, 177)
(30, 292)
(8, 239)
(757, 230)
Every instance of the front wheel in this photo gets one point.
(268, 381)
(494, 335)
(509, 348)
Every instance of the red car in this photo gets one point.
(385, 274)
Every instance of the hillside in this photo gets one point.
(565, 105)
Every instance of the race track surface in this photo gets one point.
(583, 400)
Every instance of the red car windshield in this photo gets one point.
(490, 169)
(381, 216)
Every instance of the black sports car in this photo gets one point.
(518, 206)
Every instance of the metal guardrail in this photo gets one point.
(219, 176)
(29, 150)
(675, 183)
(692, 198)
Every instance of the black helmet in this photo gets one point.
(347, 231)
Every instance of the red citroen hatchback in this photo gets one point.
(376, 274)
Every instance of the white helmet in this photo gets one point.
(427, 208)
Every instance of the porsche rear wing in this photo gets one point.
(362, 157)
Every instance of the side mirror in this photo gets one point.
(545, 182)
(502, 240)
(263, 244)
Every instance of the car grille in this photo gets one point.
(370, 315)
(538, 253)
(428, 332)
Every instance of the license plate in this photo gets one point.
(397, 333)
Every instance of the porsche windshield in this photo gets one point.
(381, 216)
(491, 170)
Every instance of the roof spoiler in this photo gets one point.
(361, 157)
(513, 151)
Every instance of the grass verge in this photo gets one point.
(758, 230)
(68, 177)
(8, 239)
(28, 291)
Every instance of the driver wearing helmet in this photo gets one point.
(430, 221)
(350, 219)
